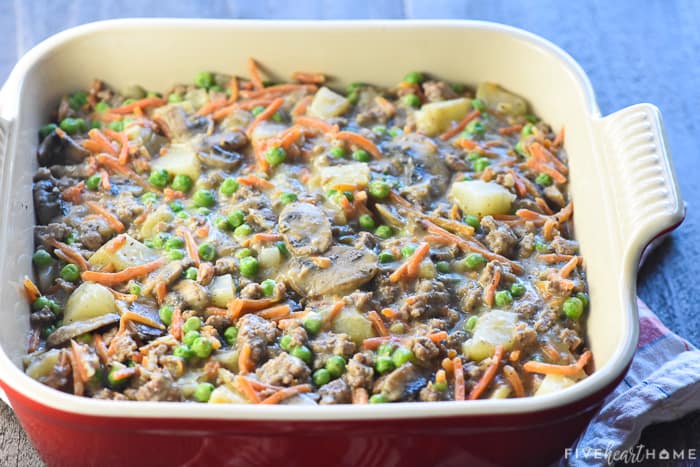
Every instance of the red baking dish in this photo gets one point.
(616, 217)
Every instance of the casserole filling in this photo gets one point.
(238, 241)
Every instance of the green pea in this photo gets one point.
(231, 334)
(573, 308)
(243, 230)
(275, 155)
(228, 186)
(190, 337)
(474, 260)
(471, 323)
(282, 247)
(408, 250)
(312, 323)
(182, 183)
(584, 298)
(383, 231)
(116, 125)
(204, 79)
(47, 331)
(149, 198)
(517, 289)
(216, 88)
(172, 243)
(541, 247)
(54, 306)
(193, 323)
(520, 149)
(166, 314)
(183, 351)
(338, 152)
(386, 257)
(257, 110)
(203, 392)
(395, 131)
(380, 130)
(472, 156)
(527, 130)
(112, 380)
(441, 386)
(414, 77)
(321, 377)
(384, 364)
(361, 155)
(249, 266)
(176, 206)
(478, 104)
(161, 239)
(95, 124)
(128, 101)
(503, 298)
(379, 189)
(268, 287)
(302, 352)
(443, 267)
(401, 356)
(46, 130)
(41, 258)
(458, 88)
(222, 224)
(236, 218)
(531, 118)
(175, 98)
(204, 198)
(70, 273)
(73, 125)
(335, 366)
(385, 349)
(77, 100)
(472, 220)
(481, 163)
(476, 127)
(41, 302)
(411, 100)
(71, 238)
(543, 179)
(175, 255)
(353, 97)
(285, 342)
(378, 399)
(244, 252)
(207, 251)
(202, 347)
(366, 222)
(135, 289)
(101, 106)
(286, 198)
(93, 183)
(159, 178)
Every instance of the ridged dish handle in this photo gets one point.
(646, 193)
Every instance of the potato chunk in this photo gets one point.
(481, 198)
(437, 117)
(352, 174)
(493, 328)
(554, 383)
(500, 100)
(179, 159)
(328, 104)
(222, 290)
(132, 253)
(89, 301)
(352, 323)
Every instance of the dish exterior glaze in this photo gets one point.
(636, 208)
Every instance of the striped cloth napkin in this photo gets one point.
(663, 384)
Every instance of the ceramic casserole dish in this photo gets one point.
(622, 184)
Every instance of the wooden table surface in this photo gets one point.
(632, 51)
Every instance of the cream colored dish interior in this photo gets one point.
(158, 53)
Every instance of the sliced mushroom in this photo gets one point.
(61, 150)
(305, 229)
(191, 294)
(47, 200)
(389, 216)
(231, 140)
(350, 268)
(146, 332)
(220, 158)
(65, 333)
(404, 382)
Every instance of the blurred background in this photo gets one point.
(632, 51)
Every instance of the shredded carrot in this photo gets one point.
(123, 373)
(265, 115)
(438, 336)
(488, 375)
(514, 356)
(140, 104)
(548, 229)
(509, 130)
(100, 348)
(520, 187)
(360, 396)
(111, 219)
(542, 204)
(116, 244)
(301, 106)
(98, 142)
(451, 353)
(389, 313)
(235, 89)
(529, 214)
(551, 352)
(161, 289)
(514, 380)
(540, 161)
(451, 225)
(377, 323)
(490, 291)
(411, 267)
(78, 356)
(247, 105)
(129, 298)
(460, 126)
(559, 139)
(322, 262)
(275, 313)
(202, 232)
(550, 369)
(244, 361)
(242, 305)
(265, 238)
(72, 255)
(565, 213)
(113, 278)
(31, 289)
(309, 78)
(333, 313)
(212, 106)
(113, 163)
(246, 387)
(286, 393)
(359, 141)
(447, 365)
(388, 108)
(278, 90)
(468, 144)
(176, 324)
(458, 370)
(290, 136)
(554, 258)
(569, 267)
(316, 124)
(131, 316)
(254, 74)
(190, 245)
(373, 343)
(104, 180)
(123, 141)
(78, 385)
(74, 194)
(256, 182)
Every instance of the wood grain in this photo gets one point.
(633, 52)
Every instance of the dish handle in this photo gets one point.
(645, 194)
